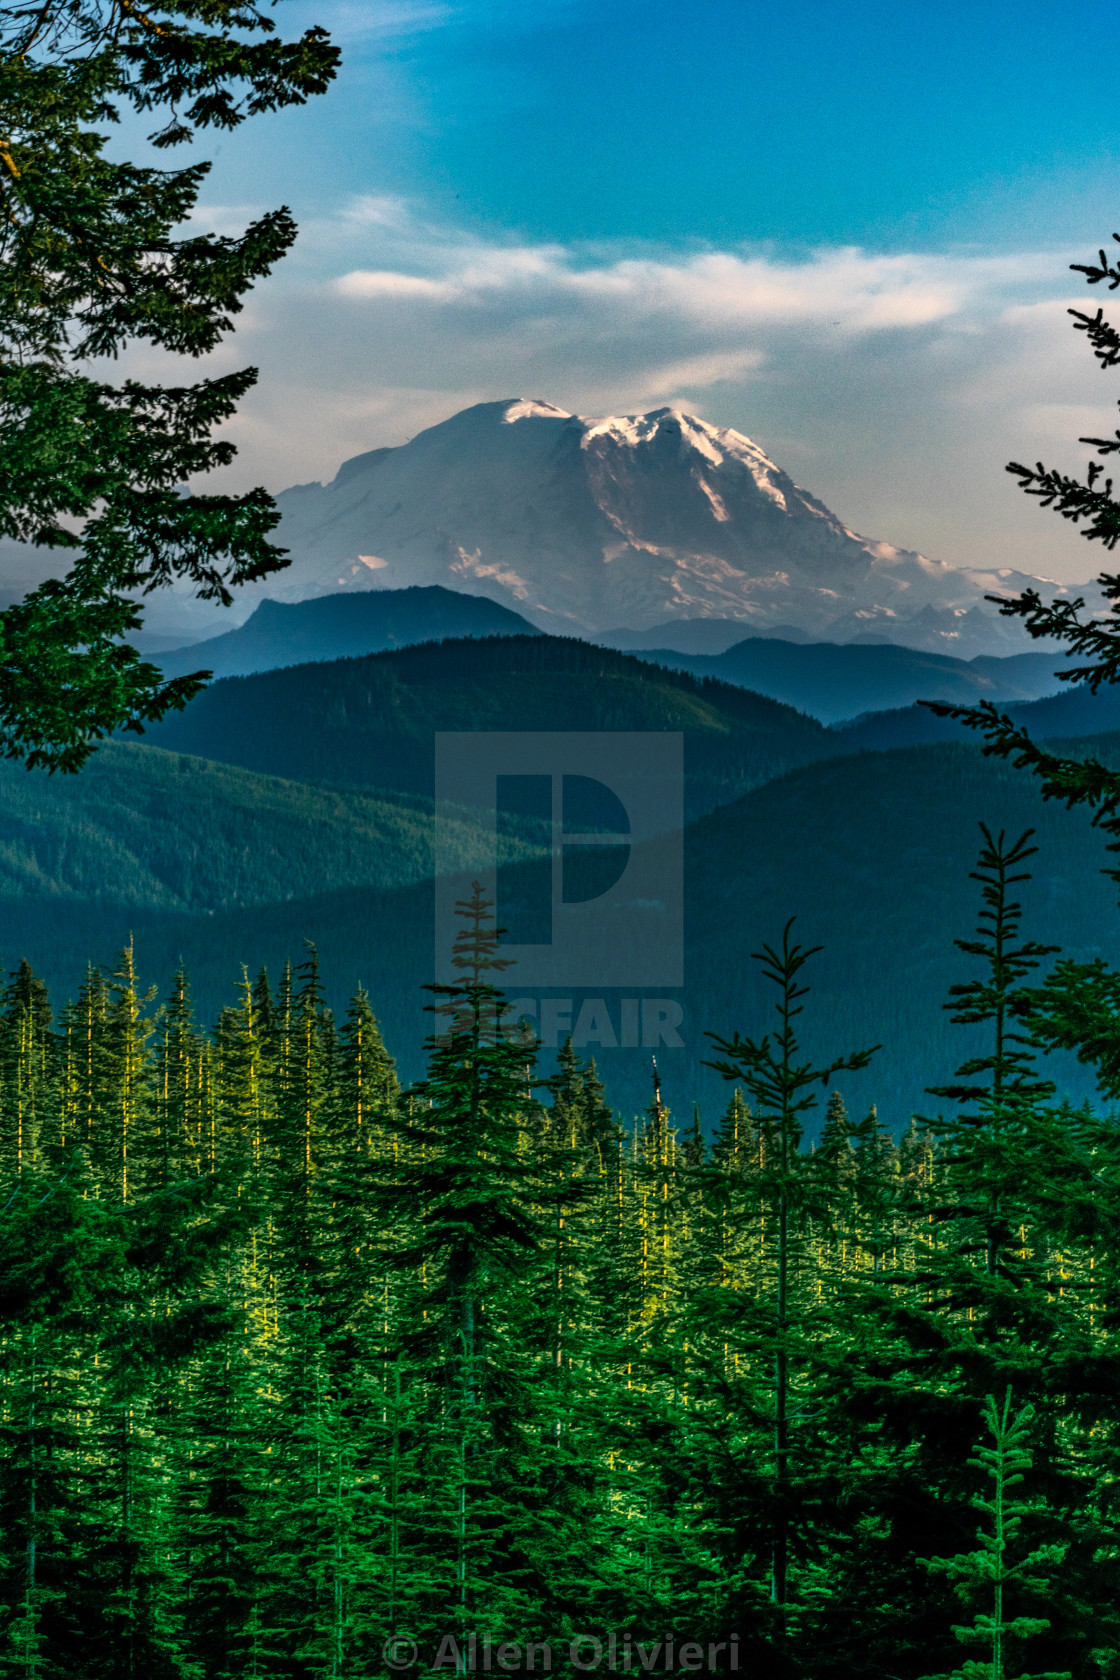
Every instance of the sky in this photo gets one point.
(843, 229)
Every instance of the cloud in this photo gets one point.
(385, 284)
(894, 386)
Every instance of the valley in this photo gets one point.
(296, 805)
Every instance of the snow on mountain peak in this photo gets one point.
(715, 444)
(532, 408)
(591, 521)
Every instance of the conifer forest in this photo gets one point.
(313, 1371)
(308, 1375)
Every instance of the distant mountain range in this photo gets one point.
(368, 723)
(1064, 716)
(294, 804)
(343, 627)
(832, 682)
(639, 530)
(582, 524)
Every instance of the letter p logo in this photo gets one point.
(585, 865)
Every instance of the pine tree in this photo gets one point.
(180, 1092)
(357, 1137)
(990, 1571)
(464, 1192)
(782, 1086)
(1000, 1138)
(89, 263)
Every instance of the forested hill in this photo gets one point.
(872, 854)
(344, 627)
(142, 830)
(1074, 711)
(833, 681)
(369, 722)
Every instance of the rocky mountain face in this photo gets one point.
(586, 523)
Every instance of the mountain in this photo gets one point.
(583, 523)
(144, 830)
(691, 635)
(1071, 712)
(834, 682)
(871, 853)
(342, 627)
(370, 722)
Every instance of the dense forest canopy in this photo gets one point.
(297, 1362)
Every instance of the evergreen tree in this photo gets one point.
(464, 1192)
(995, 1149)
(989, 1572)
(29, 1121)
(90, 262)
(180, 1093)
(782, 1086)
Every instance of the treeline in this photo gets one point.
(296, 1362)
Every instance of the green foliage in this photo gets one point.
(159, 831)
(992, 1146)
(369, 722)
(197, 860)
(1095, 639)
(782, 1086)
(292, 1360)
(989, 1570)
(89, 262)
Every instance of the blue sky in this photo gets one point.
(844, 229)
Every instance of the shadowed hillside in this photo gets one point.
(370, 722)
(332, 627)
(872, 854)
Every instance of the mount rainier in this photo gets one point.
(585, 524)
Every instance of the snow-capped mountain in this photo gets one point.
(587, 523)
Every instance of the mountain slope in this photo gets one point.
(583, 523)
(344, 627)
(370, 722)
(872, 855)
(1072, 711)
(157, 831)
(833, 682)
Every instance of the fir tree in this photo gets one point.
(1002, 1133)
(464, 1192)
(771, 1072)
(989, 1573)
(90, 262)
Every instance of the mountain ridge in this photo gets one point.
(330, 627)
(871, 853)
(581, 523)
(836, 681)
(369, 722)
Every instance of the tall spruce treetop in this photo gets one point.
(89, 262)
(1079, 1007)
(783, 1085)
(465, 1185)
(1004, 1150)
(1094, 640)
